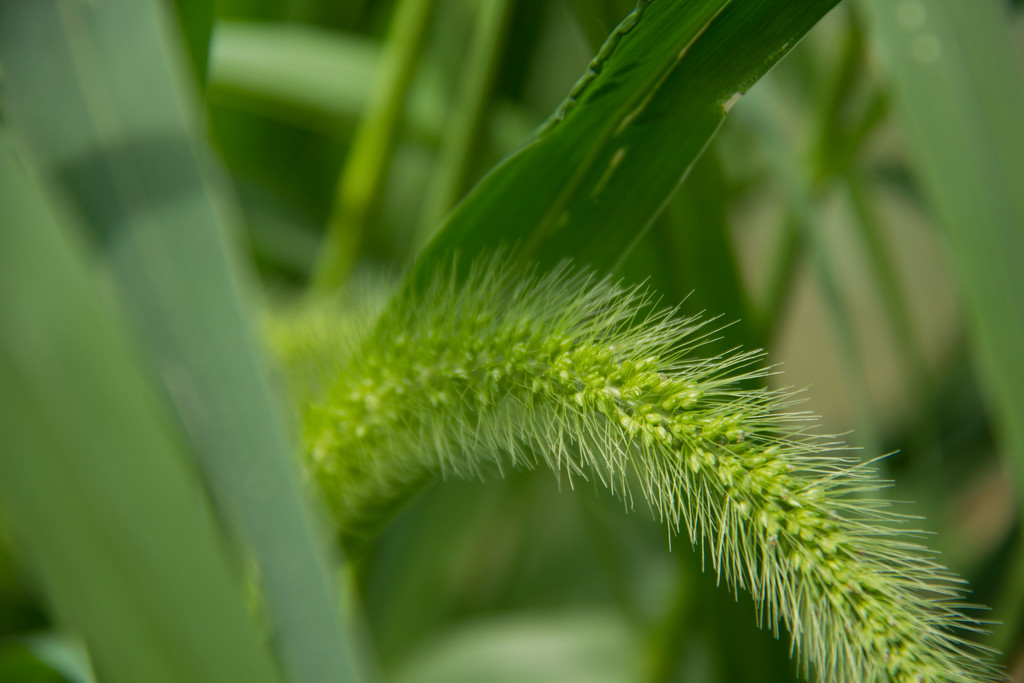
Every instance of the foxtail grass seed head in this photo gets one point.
(502, 369)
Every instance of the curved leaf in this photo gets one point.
(596, 174)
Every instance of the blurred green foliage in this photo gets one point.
(858, 215)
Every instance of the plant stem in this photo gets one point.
(366, 168)
(463, 134)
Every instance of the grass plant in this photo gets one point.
(768, 169)
(593, 380)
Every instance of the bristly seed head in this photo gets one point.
(590, 378)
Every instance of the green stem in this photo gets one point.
(462, 136)
(362, 179)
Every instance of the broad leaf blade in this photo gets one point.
(595, 176)
(98, 92)
(92, 479)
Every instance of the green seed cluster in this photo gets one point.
(589, 379)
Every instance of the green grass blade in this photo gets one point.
(593, 178)
(92, 479)
(960, 90)
(125, 156)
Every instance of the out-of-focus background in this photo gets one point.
(825, 223)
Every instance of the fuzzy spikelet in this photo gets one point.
(592, 381)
